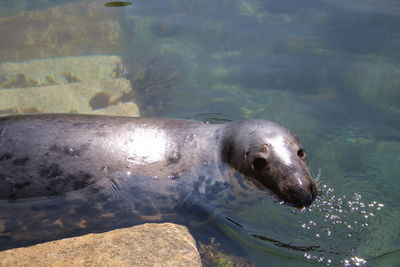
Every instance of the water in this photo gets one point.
(327, 69)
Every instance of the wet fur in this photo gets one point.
(63, 175)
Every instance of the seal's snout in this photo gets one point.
(303, 196)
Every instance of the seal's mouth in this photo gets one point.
(296, 196)
(300, 196)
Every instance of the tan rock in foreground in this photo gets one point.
(144, 245)
(83, 97)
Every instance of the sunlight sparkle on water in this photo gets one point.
(344, 218)
(354, 261)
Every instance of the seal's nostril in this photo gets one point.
(301, 196)
(307, 195)
(313, 190)
(307, 199)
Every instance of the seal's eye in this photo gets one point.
(259, 164)
(301, 153)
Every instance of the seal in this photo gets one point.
(52, 154)
(67, 175)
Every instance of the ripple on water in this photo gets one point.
(334, 230)
(345, 225)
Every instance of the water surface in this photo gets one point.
(329, 70)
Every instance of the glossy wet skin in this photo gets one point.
(47, 155)
(272, 155)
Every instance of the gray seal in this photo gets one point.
(50, 154)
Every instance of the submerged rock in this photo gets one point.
(121, 109)
(85, 84)
(86, 27)
(212, 256)
(82, 97)
(144, 245)
(377, 82)
(61, 70)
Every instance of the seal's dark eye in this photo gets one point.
(259, 164)
(301, 153)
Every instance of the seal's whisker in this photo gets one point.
(318, 177)
(112, 187)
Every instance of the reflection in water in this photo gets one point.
(287, 245)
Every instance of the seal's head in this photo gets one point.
(274, 157)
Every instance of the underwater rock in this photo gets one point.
(121, 109)
(144, 245)
(281, 106)
(378, 83)
(212, 255)
(61, 70)
(86, 27)
(385, 160)
(82, 97)
(154, 80)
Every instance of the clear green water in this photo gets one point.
(329, 70)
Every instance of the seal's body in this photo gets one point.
(154, 166)
(45, 155)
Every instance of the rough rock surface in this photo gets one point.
(144, 245)
(86, 27)
(83, 97)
